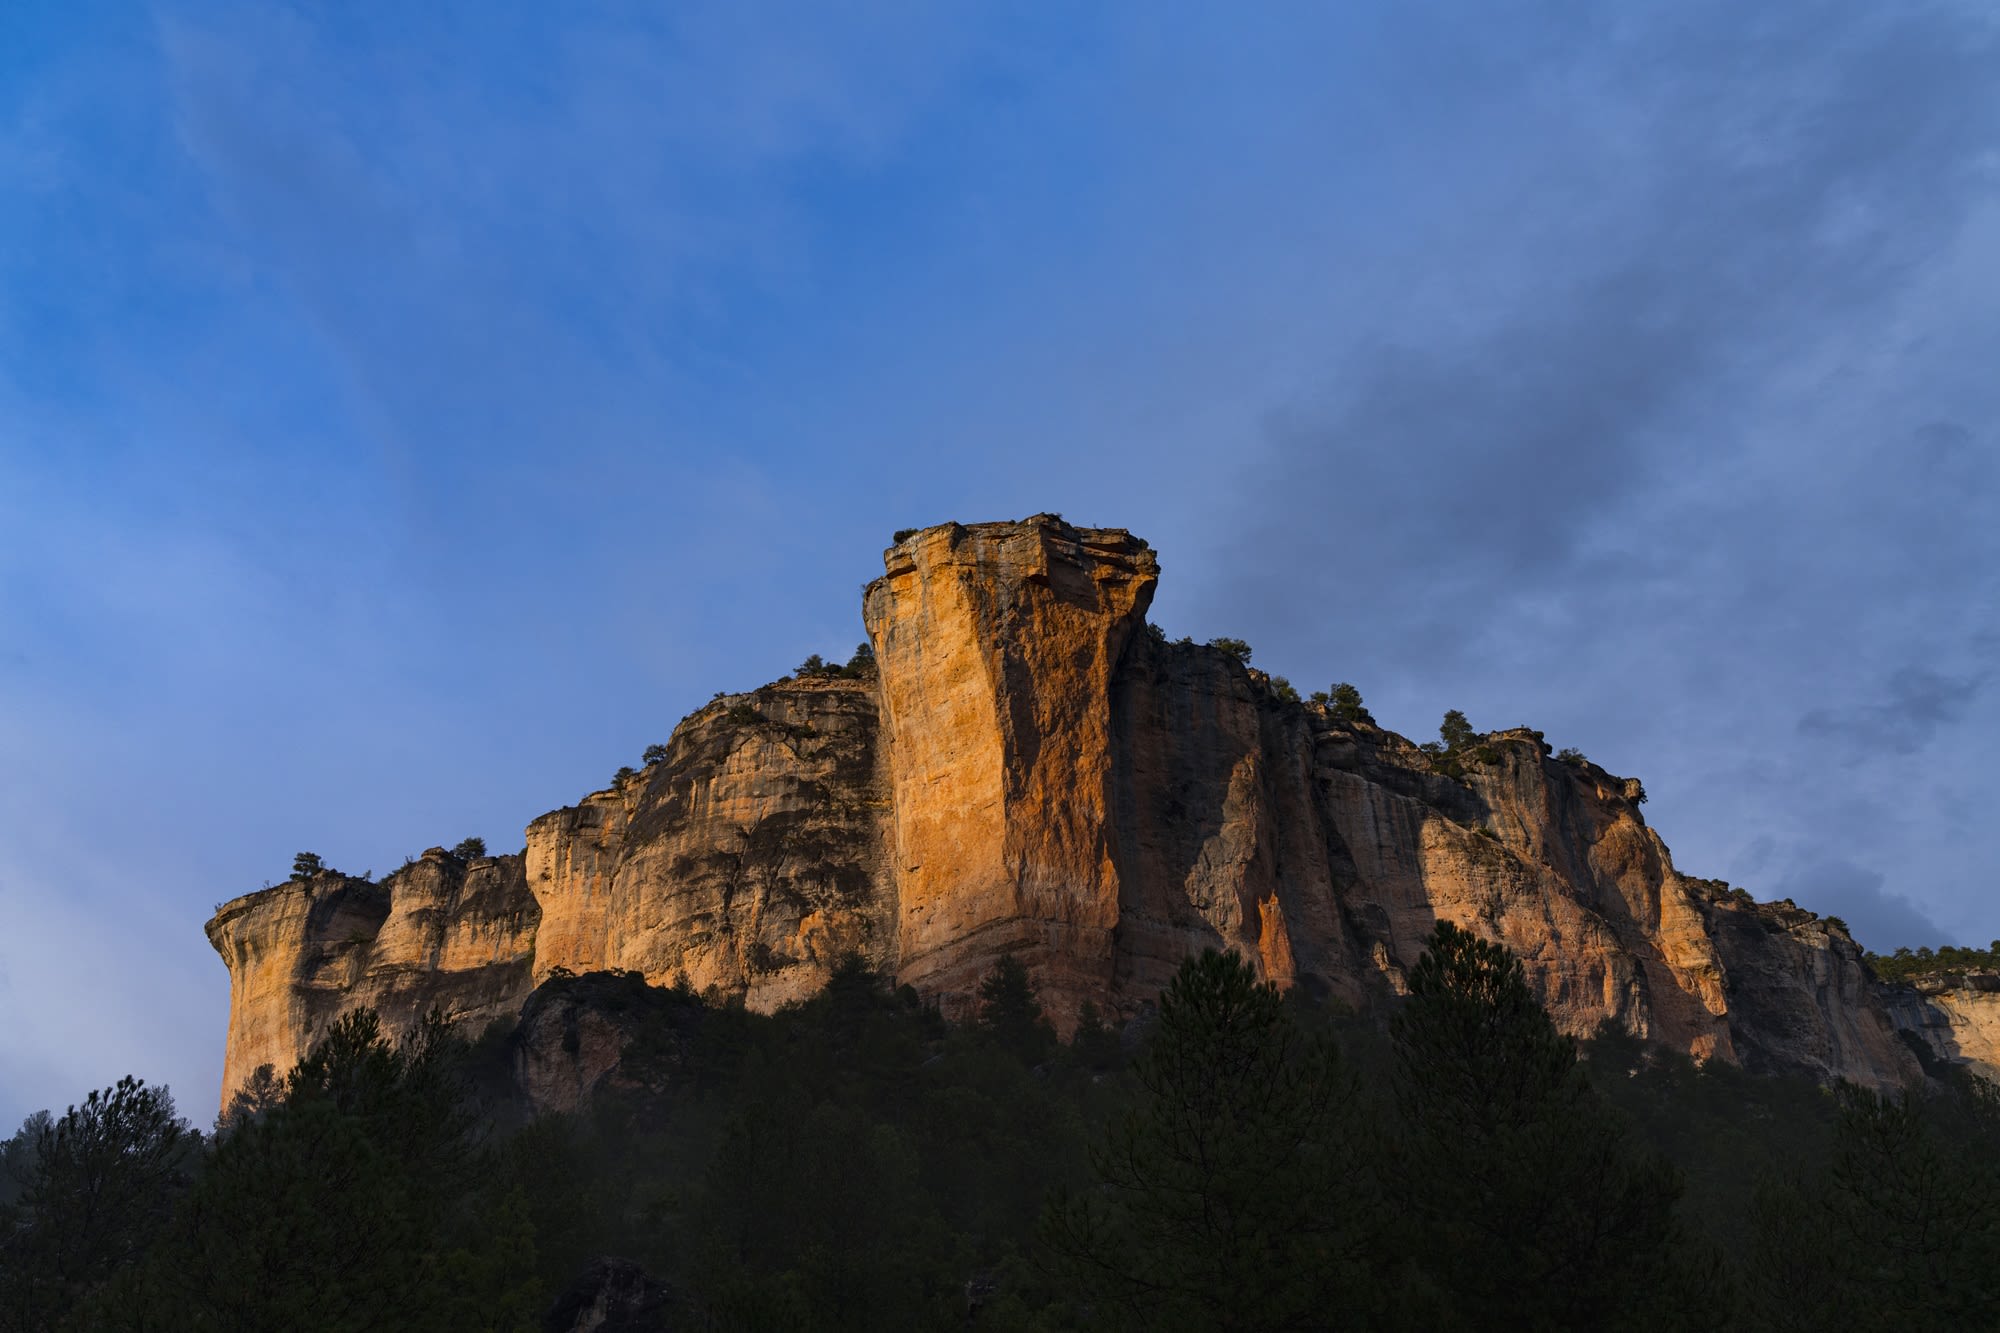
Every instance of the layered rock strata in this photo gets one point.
(1034, 769)
(1955, 1015)
(439, 933)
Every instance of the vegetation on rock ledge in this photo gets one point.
(1905, 963)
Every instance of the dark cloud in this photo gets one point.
(1746, 184)
(1881, 920)
(1917, 703)
(1660, 441)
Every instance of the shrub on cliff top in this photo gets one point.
(655, 754)
(470, 849)
(306, 865)
(1236, 648)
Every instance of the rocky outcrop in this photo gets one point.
(577, 1035)
(1800, 998)
(1954, 1015)
(750, 859)
(439, 933)
(1033, 768)
(997, 645)
(611, 1296)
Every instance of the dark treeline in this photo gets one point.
(1241, 1159)
(1906, 962)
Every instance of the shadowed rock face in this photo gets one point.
(1955, 1015)
(1036, 770)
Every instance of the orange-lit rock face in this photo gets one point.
(1956, 1015)
(1973, 1014)
(1035, 769)
(997, 644)
(750, 860)
(436, 933)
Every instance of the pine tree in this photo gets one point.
(1231, 1198)
(1528, 1203)
(103, 1179)
(1010, 1014)
(1456, 732)
(1899, 1228)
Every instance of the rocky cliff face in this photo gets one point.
(997, 646)
(1956, 1015)
(750, 859)
(1035, 769)
(437, 933)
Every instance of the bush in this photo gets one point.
(307, 865)
(1346, 701)
(1284, 689)
(1572, 756)
(1236, 648)
(655, 754)
(471, 849)
(904, 534)
(624, 775)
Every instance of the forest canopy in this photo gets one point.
(1236, 1157)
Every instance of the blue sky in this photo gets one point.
(407, 413)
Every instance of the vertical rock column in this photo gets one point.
(996, 644)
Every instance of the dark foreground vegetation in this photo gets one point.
(1240, 1160)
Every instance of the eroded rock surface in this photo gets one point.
(749, 860)
(1956, 1015)
(438, 933)
(576, 1035)
(1035, 769)
(997, 644)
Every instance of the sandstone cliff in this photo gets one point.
(437, 933)
(1956, 1015)
(1036, 769)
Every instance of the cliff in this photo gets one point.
(1032, 768)
(437, 933)
(1956, 1015)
